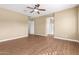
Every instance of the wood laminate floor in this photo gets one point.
(38, 45)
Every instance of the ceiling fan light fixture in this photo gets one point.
(35, 10)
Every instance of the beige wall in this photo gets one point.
(78, 22)
(12, 24)
(40, 25)
(66, 24)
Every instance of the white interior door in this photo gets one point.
(31, 27)
(50, 26)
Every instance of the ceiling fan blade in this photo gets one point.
(38, 12)
(42, 9)
(32, 11)
(37, 5)
(25, 10)
(30, 7)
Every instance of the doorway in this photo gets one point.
(31, 27)
(50, 26)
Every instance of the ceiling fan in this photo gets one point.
(36, 9)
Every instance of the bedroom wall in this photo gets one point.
(66, 24)
(78, 22)
(12, 25)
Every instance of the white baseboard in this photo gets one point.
(67, 39)
(12, 38)
(40, 34)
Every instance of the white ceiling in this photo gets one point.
(50, 8)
